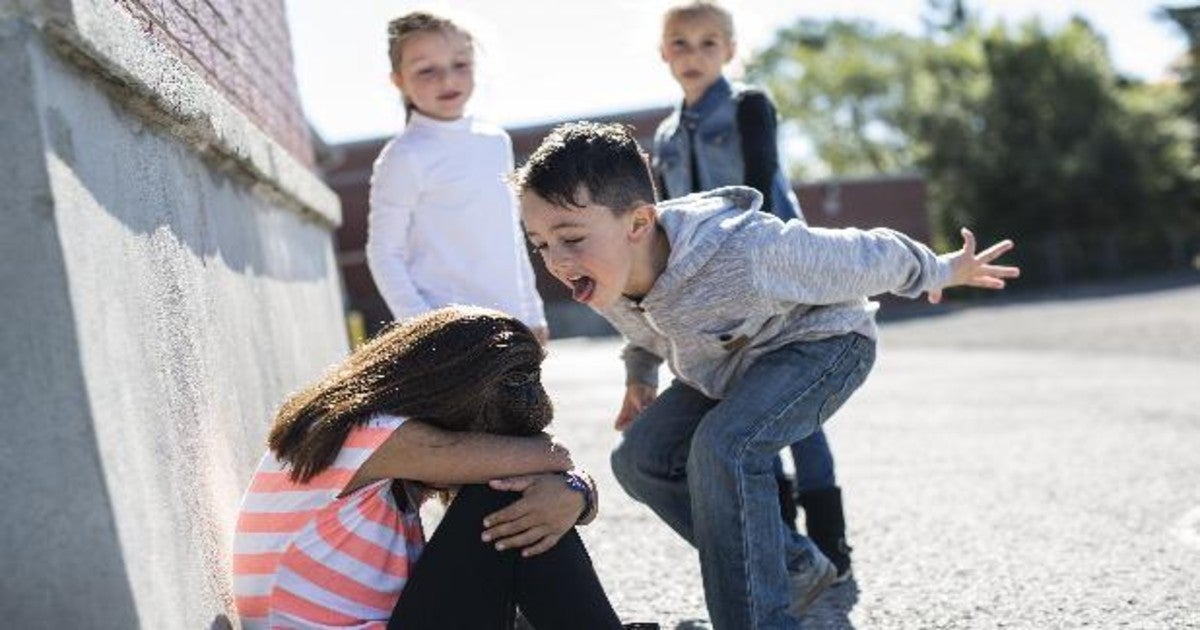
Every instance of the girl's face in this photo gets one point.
(696, 48)
(437, 73)
(520, 405)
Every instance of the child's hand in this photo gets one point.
(546, 510)
(542, 333)
(971, 269)
(638, 396)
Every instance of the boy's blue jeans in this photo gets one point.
(706, 467)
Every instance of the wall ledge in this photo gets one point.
(152, 82)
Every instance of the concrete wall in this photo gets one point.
(167, 278)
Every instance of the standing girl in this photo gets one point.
(443, 226)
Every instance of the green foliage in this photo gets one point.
(1188, 21)
(1020, 131)
(841, 82)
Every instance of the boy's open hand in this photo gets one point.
(975, 270)
(546, 510)
(638, 396)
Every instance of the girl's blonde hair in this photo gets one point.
(698, 8)
(409, 24)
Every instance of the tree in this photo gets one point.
(1020, 132)
(951, 16)
(1065, 156)
(841, 84)
(1188, 20)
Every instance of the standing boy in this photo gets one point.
(724, 134)
(765, 325)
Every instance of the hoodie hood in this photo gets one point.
(689, 223)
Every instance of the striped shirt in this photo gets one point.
(303, 558)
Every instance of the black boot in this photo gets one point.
(826, 524)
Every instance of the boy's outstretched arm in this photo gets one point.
(975, 269)
(818, 266)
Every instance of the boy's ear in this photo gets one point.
(641, 221)
(732, 52)
(398, 81)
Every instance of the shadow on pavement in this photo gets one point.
(831, 611)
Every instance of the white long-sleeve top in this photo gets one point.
(444, 226)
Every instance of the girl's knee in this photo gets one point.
(480, 499)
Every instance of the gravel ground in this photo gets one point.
(1027, 464)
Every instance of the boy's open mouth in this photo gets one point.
(582, 288)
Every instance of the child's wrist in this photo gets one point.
(580, 482)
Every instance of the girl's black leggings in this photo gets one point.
(462, 582)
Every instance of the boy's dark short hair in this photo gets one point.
(603, 161)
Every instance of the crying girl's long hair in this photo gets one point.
(458, 368)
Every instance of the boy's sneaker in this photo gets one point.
(807, 587)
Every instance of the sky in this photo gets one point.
(547, 60)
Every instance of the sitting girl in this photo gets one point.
(329, 533)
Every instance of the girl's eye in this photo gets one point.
(573, 241)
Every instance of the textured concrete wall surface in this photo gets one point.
(239, 47)
(168, 278)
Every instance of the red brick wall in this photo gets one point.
(643, 122)
(243, 49)
(896, 202)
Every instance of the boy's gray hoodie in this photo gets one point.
(741, 283)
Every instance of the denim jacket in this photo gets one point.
(711, 124)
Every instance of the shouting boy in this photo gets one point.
(765, 325)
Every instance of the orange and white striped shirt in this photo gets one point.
(303, 558)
